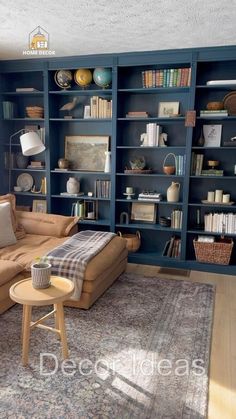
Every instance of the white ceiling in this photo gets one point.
(110, 26)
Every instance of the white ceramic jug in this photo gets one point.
(173, 192)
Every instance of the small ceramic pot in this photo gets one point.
(63, 163)
(40, 274)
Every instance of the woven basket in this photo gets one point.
(133, 241)
(168, 169)
(216, 252)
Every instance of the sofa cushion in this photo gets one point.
(46, 224)
(12, 200)
(8, 270)
(7, 236)
(27, 249)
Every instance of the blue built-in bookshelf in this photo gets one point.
(148, 98)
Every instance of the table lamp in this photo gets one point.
(31, 144)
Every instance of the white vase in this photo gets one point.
(73, 185)
(107, 167)
(40, 274)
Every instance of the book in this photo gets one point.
(72, 194)
(26, 89)
(57, 169)
(220, 82)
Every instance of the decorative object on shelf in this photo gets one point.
(205, 201)
(167, 169)
(78, 209)
(229, 102)
(163, 139)
(73, 185)
(107, 167)
(25, 181)
(86, 152)
(143, 212)
(212, 135)
(138, 171)
(129, 192)
(35, 112)
(83, 77)
(165, 221)
(17, 188)
(133, 241)
(63, 163)
(215, 106)
(9, 109)
(201, 139)
(63, 78)
(144, 140)
(124, 218)
(230, 143)
(39, 205)
(21, 160)
(102, 77)
(150, 196)
(168, 109)
(70, 105)
(40, 274)
(213, 163)
(138, 163)
(217, 197)
(173, 192)
(90, 210)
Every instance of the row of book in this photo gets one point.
(100, 108)
(102, 188)
(9, 109)
(167, 77)
(180, 163)
(220, 222)
(172, 247)
(176, 219)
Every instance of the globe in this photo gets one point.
(63, 78)
(102, 76)
(83, 77)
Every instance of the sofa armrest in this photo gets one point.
(46, 224)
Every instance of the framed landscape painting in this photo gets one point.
(86, 152)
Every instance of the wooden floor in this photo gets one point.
(222, 396)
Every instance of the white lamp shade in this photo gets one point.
(31, 144)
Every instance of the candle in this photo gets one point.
(218, 195)
(211, 196)
(129, 189)
(226, 198)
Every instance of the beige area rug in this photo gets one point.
(142, 351)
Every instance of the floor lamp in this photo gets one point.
(31, 144)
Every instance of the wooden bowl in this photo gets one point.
(169, 170)
(215, 106)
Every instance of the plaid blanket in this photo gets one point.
(70, 259)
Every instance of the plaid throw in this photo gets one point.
(70, 259)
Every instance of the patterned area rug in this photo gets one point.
(142, 351)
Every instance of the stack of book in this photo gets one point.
(176, 219)
(102, 188)
(137, 114)
(196, 164)
(8, 109)
(150, 196)
(36, 165)
(210, 114)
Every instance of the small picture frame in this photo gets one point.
(39, 205)
(168, 109)
(143, 212)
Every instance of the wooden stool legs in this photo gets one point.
(26, 333)
(58, 312)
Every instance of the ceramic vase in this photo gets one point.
(73, 185)
(107, 167)
(22, 161)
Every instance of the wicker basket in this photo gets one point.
(133, 241)
(218, 252)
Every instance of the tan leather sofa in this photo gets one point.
(37, 234)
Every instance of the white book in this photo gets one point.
(220, 82)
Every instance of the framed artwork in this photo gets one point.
(143, 212)
(39, 205)
(86, 152)
(212, 135)
(168, 109)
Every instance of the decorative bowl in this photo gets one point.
(138, 163)
(169, 170)
(215, 106)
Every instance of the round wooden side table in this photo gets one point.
(22, 292)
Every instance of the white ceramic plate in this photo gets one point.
(25, 181)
